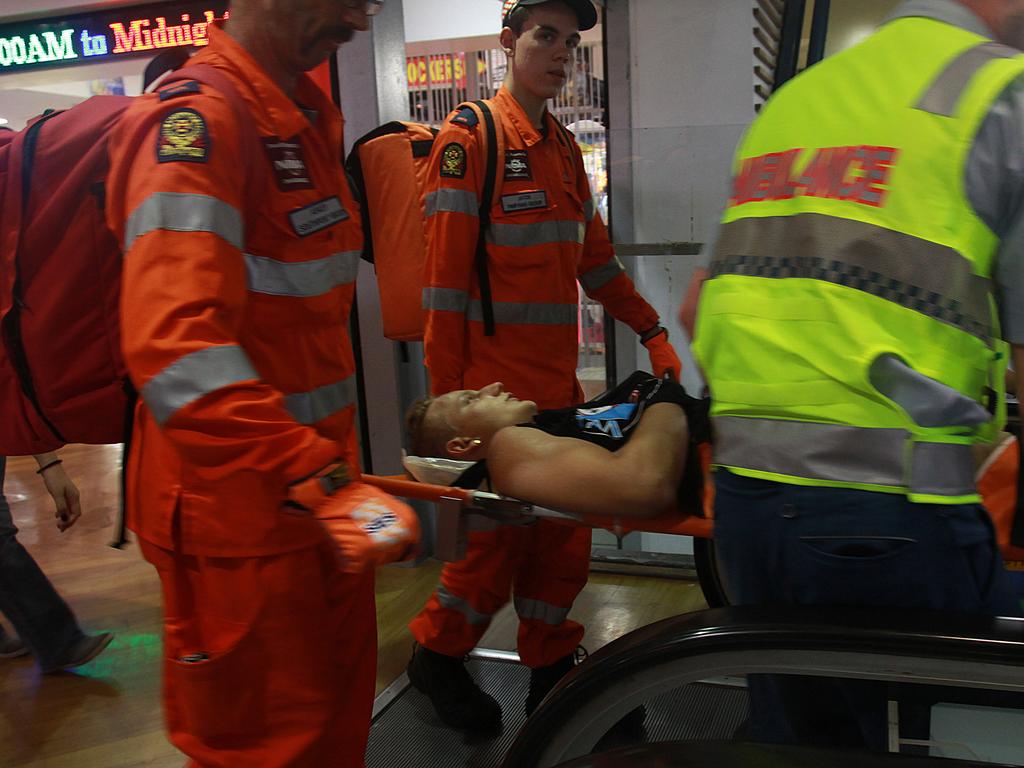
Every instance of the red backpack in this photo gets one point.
(62, 374)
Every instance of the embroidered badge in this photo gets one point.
(320, 215)
(289, 164)
(525, 201)
(183, 137)
(453, 161)
(517, 165)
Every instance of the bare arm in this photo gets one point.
(61, 488)
(571, 475)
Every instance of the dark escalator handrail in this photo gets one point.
(897, 645)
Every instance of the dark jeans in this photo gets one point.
(40, 616)
(787, 544)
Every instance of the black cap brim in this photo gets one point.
(585, 11)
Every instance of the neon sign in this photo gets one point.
(85, 38)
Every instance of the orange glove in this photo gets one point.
(369, 527)
(664, 360)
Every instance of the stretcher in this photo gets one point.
(461, 511)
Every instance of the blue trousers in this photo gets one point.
(42, 619)
(787, 544)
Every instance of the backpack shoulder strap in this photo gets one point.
(495, 140)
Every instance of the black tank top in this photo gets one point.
(609, 421)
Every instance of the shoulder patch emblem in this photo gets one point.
(466, 117)
(453, 161)
(183, 137)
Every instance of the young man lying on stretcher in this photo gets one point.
(627, 453)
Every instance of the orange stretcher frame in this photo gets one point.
(678, 524)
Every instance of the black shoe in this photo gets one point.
(543, 679)
(81, 652)
(457, 699)
(11, 647)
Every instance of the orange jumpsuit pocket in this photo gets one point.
(219, 694)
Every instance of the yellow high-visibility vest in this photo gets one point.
(849, 243)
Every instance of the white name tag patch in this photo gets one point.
(524, 201)
(318, 216)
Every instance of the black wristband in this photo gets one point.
(45, 467)
(650, 333)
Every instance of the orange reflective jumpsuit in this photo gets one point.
(241, 244)
(544, 235)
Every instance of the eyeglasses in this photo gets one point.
(371, 7)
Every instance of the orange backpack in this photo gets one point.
(389, 168)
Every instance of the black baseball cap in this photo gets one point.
(585, 11)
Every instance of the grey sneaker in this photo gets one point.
(82, 652)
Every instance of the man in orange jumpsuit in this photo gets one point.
(241, 243)
(544, 235)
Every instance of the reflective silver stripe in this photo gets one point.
(589, 210)
(455, 300)
(450, 601)
(178, 212)
(844, 454)
(600, 276)
(527, 313)
(193, 376)
(445, 299)
(311, 407)
(942, 469)
(528, 608)
(943, 96)
(540, 233)
(301, 279)
(452, 201)
(914, 273)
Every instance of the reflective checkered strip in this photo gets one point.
(927, 302)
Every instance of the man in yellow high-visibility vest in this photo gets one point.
(865, 280)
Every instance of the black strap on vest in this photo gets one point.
(1017, 530)
(486, 199)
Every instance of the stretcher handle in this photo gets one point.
(399, 485)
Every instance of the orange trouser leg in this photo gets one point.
(549, 564)
(471, 592)
(552, 573)
(268, 661)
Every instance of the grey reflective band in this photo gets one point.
(528, 608)
(193, 376)
(541, 233)
(526, 313)
(445, 299)
(944, 94)
(598, 277)
(450, 601)
(317, 405)
(301, 279)
(589, 210)
(844, 454)
(452, 201)
(917, 274)
(508, 312)
(179, 212)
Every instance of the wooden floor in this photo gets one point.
(107, 715)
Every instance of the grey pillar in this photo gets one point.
(617, 34)
(374, 90)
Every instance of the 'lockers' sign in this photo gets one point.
(103, 36)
